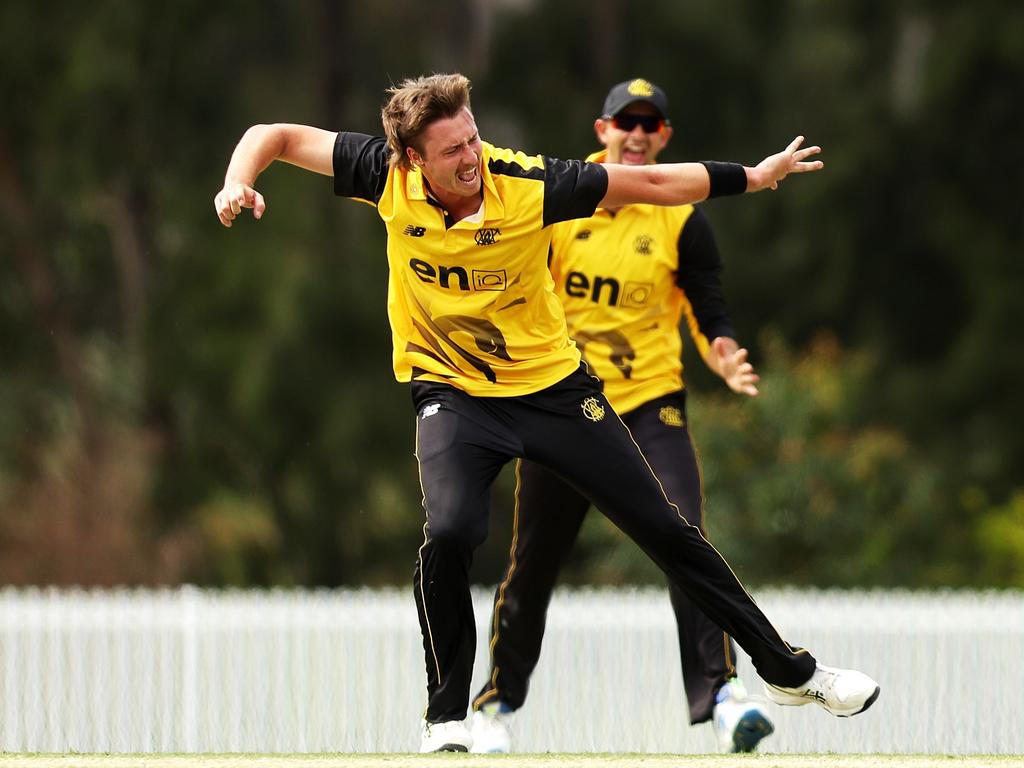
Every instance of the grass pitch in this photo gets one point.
(507, 761)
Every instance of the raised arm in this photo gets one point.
(301, 145)
(679, 183)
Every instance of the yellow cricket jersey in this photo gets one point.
(625, 281)
(472, 302)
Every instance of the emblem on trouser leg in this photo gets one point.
(671, 416)
(593, 409)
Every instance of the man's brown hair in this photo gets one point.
(415, 103)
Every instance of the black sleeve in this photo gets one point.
(699, 275)
(360, 166)
(572, 189)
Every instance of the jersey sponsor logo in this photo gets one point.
(413, 231)
(458, 278)
(671, 416)
(487, 235)
(489, 280)
(608, 290)
(636, 295)
(642, 245)
(593, 409)
(583, 234)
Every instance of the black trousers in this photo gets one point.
(462, 442)
(549, 514)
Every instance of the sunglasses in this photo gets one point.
(627, 122)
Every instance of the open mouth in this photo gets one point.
(634, 154)
(469, 176)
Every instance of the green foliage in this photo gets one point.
(180, 402)
(1000, 535)
(239, 537)
(799, 490)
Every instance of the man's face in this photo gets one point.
(632, 145)
(450, 160)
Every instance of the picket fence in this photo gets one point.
(190, 670)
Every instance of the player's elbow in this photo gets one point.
(259, 131)
(270, 138)
(636, 184)
(659, 185)
(657, 176)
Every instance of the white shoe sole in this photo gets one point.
(451, 748)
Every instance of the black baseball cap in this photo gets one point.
(624, 94)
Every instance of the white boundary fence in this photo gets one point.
(342, 671)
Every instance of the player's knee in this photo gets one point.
(458, 531)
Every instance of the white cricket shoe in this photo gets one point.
(843, 692)
(449, 736)
(491, 728)
(740, 722)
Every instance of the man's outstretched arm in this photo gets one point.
(679, 183)
(301, 145)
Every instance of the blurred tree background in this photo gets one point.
(180, 402)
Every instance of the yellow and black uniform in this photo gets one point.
(471, 302)
(627, 279)
(481, 335)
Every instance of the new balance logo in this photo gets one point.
(583, 235)
(487, 236)
(430, 410)
(412, 231)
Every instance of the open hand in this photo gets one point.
(734, 368)
(774, 168)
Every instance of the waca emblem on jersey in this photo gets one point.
(487, 236)
(643, 245)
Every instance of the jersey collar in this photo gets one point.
(494, 208)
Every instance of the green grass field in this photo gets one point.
(520, 761)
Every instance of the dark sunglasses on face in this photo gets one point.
(627, 122)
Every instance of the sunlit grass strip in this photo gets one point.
(487, 761)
